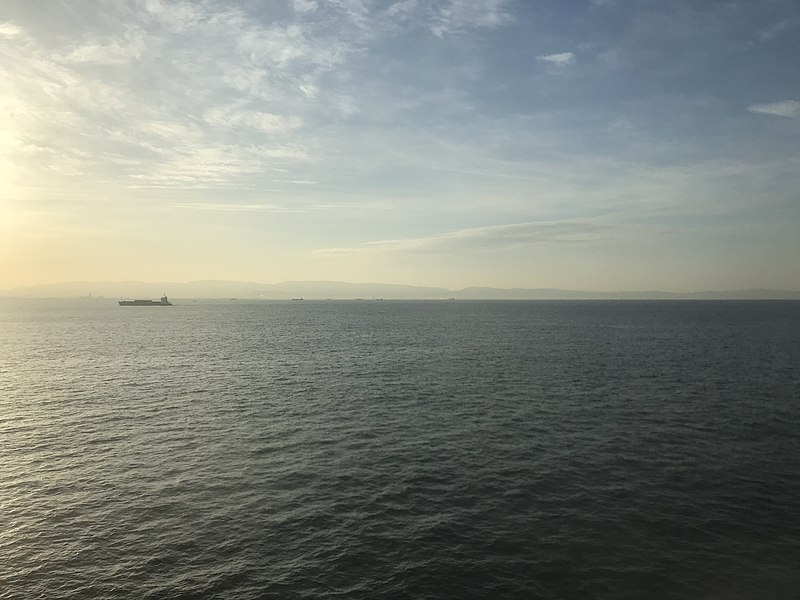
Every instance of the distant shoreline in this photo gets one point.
(329, 290)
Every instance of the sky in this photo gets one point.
(591, 145)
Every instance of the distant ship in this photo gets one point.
(162, 302)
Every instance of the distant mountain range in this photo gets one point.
(339, 291)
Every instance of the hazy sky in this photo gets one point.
(605, 144)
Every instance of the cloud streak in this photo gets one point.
(559, 60)
(779, 28)
(235, 208)
(785, 108)
(489, 238)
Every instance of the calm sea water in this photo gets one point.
(400, 450)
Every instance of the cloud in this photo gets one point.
(778, 28)
(10, 30)
(234, 117)
(234, 208)
(201, 94)
(784, 108)
(403, 8)
(114, 52)
(491, 237)
(304, 6)
(215, 166)
(560, 59)
(207, 92)
(457, 15)
(448, 17)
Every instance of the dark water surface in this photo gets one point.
(400, 450)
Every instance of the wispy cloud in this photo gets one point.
(234, 116)
(129, 48)
(235, 208)
(778, 28)
(449, 17)
(202, 93)
(10, 30)
(215, 166)
(294, 181)
(304, 6)
(784, 108)
(457, 15)
(197, 117)
(492, 237)
(560, 59)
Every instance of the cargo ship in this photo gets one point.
(162, 302)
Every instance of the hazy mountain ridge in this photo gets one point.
(343, 290)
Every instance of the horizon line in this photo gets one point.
(8, 292)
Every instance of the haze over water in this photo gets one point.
(399, 450)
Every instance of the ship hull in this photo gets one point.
(162, 302)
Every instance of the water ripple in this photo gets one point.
(400, 450)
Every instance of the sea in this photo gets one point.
(394, 449)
